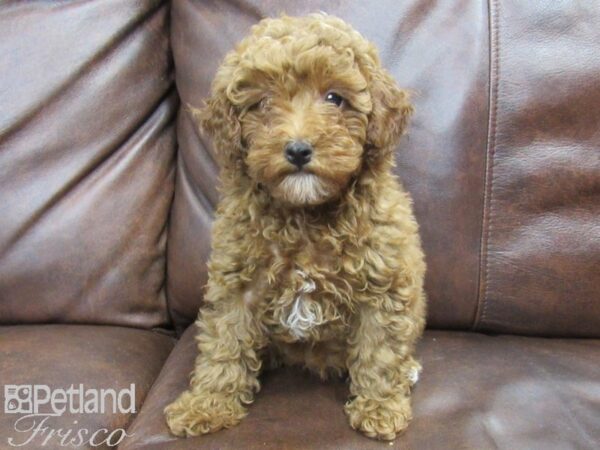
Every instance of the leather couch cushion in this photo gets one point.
(541, 225)
(87, 147)
(476, 391)
(63, 355)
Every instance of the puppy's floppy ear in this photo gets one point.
(219, 120)
(388, 118)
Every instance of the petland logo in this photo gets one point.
(37, 404)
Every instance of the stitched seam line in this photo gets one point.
(482, 304)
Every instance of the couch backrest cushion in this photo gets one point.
(540, 267)
(87, 147)
(508, 212)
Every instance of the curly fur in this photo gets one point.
(321, 268)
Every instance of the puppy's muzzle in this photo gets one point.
(298, 153)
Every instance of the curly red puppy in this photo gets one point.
(316, 257)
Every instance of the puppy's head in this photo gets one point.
(302, 106)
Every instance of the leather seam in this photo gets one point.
(494, 43)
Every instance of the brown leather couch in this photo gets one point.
(107, 194)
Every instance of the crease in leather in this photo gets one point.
(205, 144)
(207, 149)
(198, 204)
(149, 128)
(489, 433)
(194, 191)
(164, 241)
(494, 71)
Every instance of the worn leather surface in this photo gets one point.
(87, 142)
(439, 50)
(476, 392)
(541, 236)
(99, 357)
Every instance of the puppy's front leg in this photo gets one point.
(382, 371)
(226, 369)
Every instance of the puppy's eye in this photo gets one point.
(255, 106)
(336, 99)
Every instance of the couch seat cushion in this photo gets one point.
(476, 391)
(61, 356)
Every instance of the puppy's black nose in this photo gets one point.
(298, 153)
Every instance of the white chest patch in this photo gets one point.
(305, 313)
(413, 375)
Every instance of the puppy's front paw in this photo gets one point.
(193, 414)
(379, 420)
